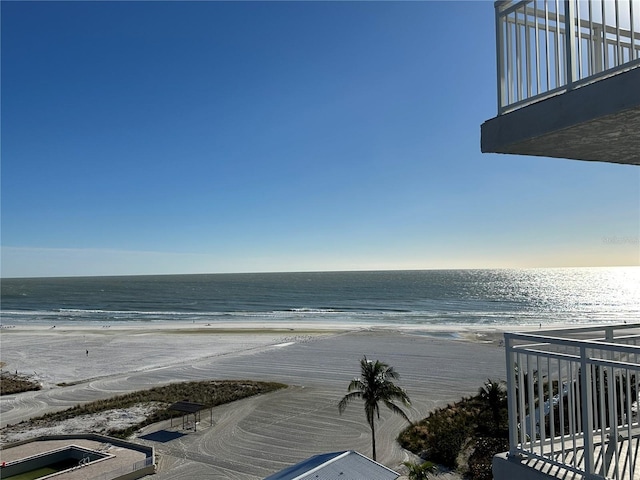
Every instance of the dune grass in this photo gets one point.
(209, 393)
(14, 383)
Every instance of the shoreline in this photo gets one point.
(242, 326)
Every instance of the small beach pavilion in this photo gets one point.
(186, 409)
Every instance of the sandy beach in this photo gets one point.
(255, 437)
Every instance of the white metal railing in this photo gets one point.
(573, 399)
(546, 47)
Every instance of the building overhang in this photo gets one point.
(596, 122)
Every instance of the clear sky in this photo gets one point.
(196, 137)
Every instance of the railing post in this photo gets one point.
(570, 35)
(512, 401)
(586, 399)
(608, 335)
(598, 42)
(500, 56)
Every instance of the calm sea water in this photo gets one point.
(412, 298)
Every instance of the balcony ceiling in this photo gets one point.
(597, 122)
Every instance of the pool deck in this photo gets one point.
(120, 460)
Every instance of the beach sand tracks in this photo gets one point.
(303, 417)
(279, 429)
(256, 437)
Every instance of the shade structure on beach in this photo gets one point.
(188, 408)
(334, 466)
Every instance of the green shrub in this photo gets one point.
(440, 436)
(468, 427)
(482, 456)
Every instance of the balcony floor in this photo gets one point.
(539, 469)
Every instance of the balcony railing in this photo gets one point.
(573, 400)
(546, 47)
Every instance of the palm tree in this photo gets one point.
(375, 386)
(420, 471)
(494, 394)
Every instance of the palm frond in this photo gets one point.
(396, 409)
(357, 384)
(348, 398)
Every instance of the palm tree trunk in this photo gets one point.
(373, 439)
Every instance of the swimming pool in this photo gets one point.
(52, 462)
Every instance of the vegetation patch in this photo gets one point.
(466, 435)
(209, 393)
(14, 383)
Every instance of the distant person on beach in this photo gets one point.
(87, 353)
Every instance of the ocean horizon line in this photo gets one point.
(295, 272)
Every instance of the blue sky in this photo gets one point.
(195, 137)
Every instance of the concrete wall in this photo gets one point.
(142, 472)
(148, 451)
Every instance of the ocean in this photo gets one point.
(509, 297)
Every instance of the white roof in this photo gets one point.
(347, 465)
